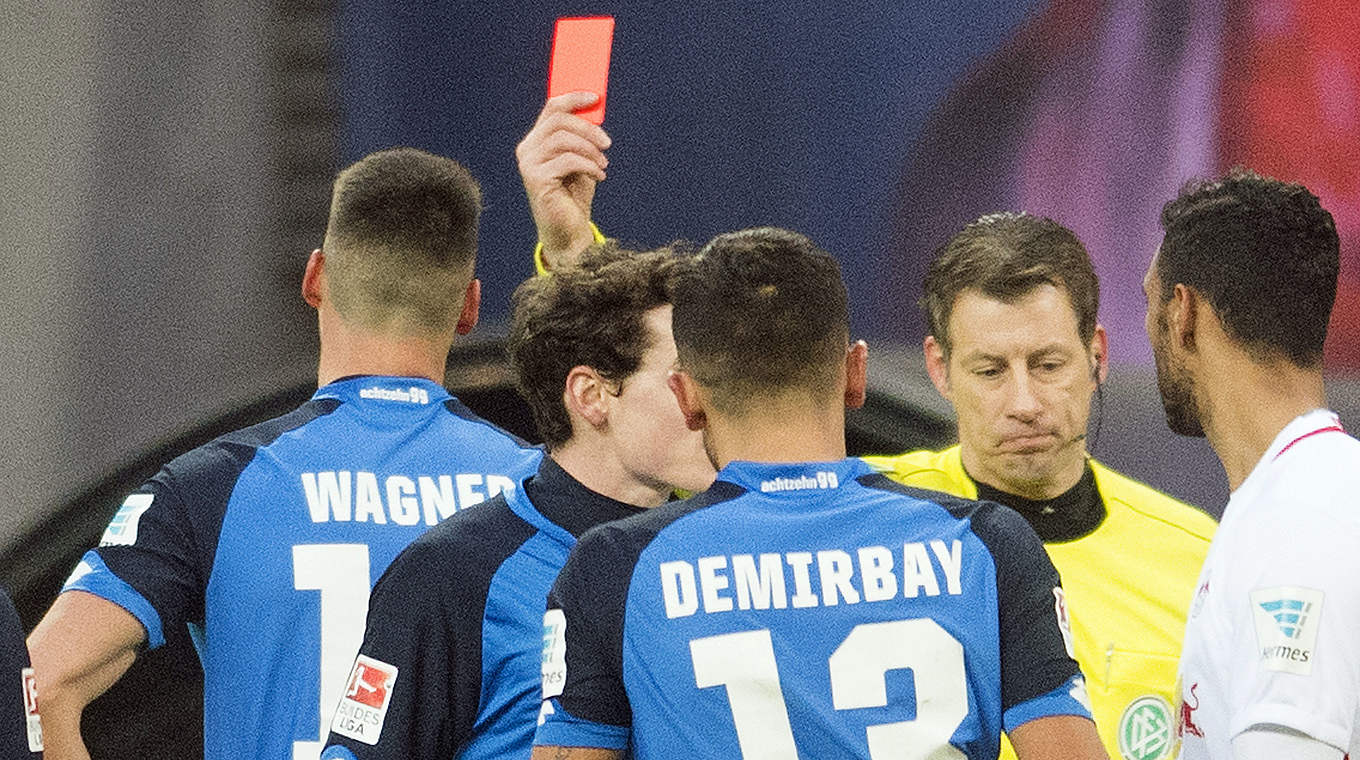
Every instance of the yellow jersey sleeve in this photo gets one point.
(1128, 585)
(542, 268)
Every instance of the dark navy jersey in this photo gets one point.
(453, 645)
(806, 610)
(266, 541)
(20, 730)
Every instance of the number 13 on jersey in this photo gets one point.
(745, 664)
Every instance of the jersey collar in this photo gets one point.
(794, 479)
(389, 391)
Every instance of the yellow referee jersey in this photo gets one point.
(1128, 585)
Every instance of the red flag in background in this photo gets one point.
(1291, 109)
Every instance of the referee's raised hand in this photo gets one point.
(561, 160)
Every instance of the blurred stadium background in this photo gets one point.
(166, 170)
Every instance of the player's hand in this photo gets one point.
(561, 160)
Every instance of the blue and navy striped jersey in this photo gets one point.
(266, 541)
(806, 610)
(458, 618)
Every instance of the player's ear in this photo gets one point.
(584, 395)
(472, 305)
(1182, 319)
(311, 278)
(687, 395)
(856, 374)
(937, 365)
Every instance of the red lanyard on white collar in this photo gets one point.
(1329, 429)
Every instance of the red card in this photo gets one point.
(580, 60)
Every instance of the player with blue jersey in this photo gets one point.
(265, 542)
(803, 606)
(456, 620)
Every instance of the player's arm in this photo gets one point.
(1045, 710)
(83, 645)
(576, 753)
(1268, 742)
(561, 160)
(400, 700)
(1057, 737)
(585, 704)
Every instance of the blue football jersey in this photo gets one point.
(806, 610)
(452, 650)
(266, 542)
(20, 729)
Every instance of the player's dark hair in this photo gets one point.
(588, 315)
(402, 239)
(1005, 256)
(759, 311)
(1263, 253)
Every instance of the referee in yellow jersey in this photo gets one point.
(1010, 303)
(1014, 345)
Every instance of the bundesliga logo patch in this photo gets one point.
(1286, 620)
(364, 707)
(34, 723)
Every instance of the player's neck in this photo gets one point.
(1246, 405)
(346, 351)
(775, 432)
(604, 474)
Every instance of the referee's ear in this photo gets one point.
(687, 395)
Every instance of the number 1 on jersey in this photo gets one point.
(340, 572)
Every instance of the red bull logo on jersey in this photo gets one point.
(811, 579)
(363, 708)
(1286, 627)
(1185, 724)
(345, 496)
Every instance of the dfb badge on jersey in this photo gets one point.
(363, 708)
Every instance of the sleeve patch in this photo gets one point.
(30, 686)
(1286, 620)
(554, 653)
(122, 530)
(363, 708)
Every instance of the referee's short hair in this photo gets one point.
(759, 312)
(590, 314)
(1264, 253)
(401, 241)
(1006, 256)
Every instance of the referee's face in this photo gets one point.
(1021, 380)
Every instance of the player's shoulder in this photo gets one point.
(470, 540)
(224, 458)
(996, 525)
(1156, 510)
(479, 426)
(625, 539)
(934, 470)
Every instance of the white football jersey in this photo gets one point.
(1273, 635)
